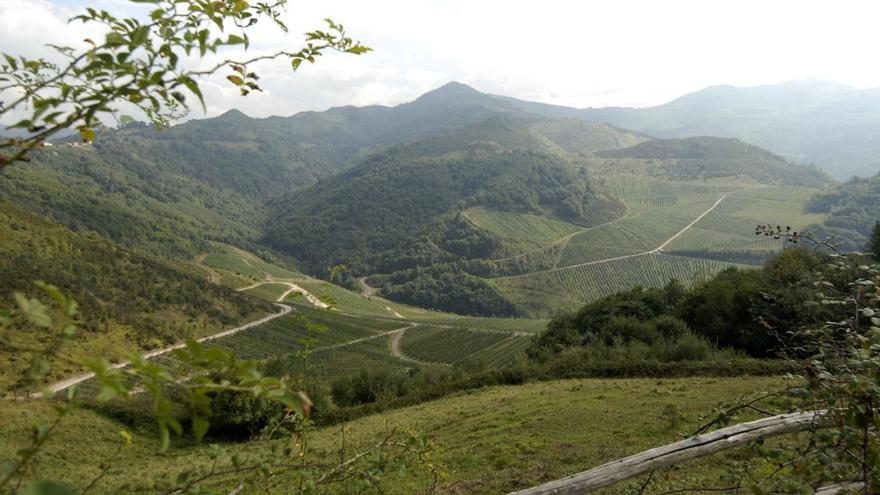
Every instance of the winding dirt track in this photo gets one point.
(69, 382)
(394, 347)
(291, 288)
(656, 250)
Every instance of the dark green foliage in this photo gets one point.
(240, 414)
(394, 196)
(623, 317)
(170, 191)
(853, 208)
(754, 311)
(366, 387)
(447, 288)
(701, 158)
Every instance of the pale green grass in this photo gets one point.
(492, 440)
(268, 291)
(343, 299)
(521, 226)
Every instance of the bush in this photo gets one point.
(366, 387)
(241, 415)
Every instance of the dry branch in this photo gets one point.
(674, 453)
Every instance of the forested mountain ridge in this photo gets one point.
(399, 209)
(698, 158)
(358, 216)
(168, 191)
(384, 190)
(834, 126)
(401, 215)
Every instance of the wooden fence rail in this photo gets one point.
(674, 453)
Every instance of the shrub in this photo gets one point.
(240, 415)
(366, 387)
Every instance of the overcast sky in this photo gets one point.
(576, 53)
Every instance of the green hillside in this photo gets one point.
(523, 434)
(399, 209)
(578, 137)
(811, 122)
(132, 300)
(852, 209)
(701, 158)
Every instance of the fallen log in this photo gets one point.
(836, 488)
(674, 453)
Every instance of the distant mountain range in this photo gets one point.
(382, 190)
(833, 126)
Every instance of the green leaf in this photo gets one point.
(193, 87)
(200, 426)
(234, 40)
(53, 292)
(114, 39)
(164, 436)
(139, 35)
(295, 63)
(358, 49)
(235, 80)
(87, 135)
(107, 393)
(33, 310)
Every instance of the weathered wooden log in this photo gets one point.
(674, 453)
(837, 488)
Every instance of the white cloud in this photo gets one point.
(626, 52)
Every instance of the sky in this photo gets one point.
(576, 53)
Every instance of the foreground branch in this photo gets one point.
(674, 453)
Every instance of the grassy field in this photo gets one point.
(460, 345)
(569, 288)
(490, 440)
(246, 264)
(521, 227)
(268, 291)
(345, 300)
(646, 193)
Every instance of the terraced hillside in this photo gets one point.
(686, 231)
(358, 331)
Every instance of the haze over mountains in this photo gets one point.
(833, 126)
(409, 196)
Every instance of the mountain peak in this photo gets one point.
(449, 90)
(233, 114)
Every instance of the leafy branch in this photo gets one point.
(141, 63)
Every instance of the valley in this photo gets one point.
(533, 292)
